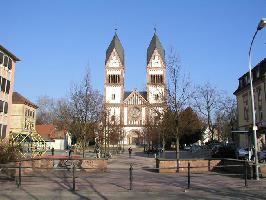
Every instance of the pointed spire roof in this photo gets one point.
(115, 44)
(155, 44)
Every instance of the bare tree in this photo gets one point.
(179, 95)
(226, 118)
(85, 110)
(207, 102)
(45, 112)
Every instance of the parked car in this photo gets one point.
(187, 148)
(195, 148)
(244, 153)
(262, 156)
(223, 151)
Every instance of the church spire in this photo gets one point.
(155, 44)
(115, 44)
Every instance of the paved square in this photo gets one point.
(147, 184)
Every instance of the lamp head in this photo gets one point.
(262, 24)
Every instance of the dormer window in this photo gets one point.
(258, 73)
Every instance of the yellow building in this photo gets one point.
(23, 126)
(244, 108)
(23, 114)
(7, 72)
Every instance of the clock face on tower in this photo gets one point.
(135, 113)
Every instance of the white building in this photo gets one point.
(132, 109)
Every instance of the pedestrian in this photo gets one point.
(129, 152)
(52, 150)
(70, 151)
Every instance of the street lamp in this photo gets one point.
(261, 25)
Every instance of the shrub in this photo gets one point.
(9, 152)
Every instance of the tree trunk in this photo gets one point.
(163, 147)
(177, 150)
(83, 149)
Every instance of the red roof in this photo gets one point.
(50, 132)
(47, 131)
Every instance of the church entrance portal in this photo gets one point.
(134, 137)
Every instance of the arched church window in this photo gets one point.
(113, 96)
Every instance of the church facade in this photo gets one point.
(133, 110)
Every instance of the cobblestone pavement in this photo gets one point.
(147, 184)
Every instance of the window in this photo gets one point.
(7, 86)
(245, 105)
(33, 114)
(114, 78)
(258, 73)
(5, 61)
(113, 96)
(156, 97)
(259, 93)
(1, 58)
(25, 126)
(6, 108)
(4, 131)
(9, 64)
(1, 106)
(112, 118)
(3, 84)
(156, 79)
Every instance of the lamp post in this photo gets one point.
(261, 25)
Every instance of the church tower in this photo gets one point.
(114, 79)
(156, 72)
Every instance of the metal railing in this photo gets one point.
(189, 174)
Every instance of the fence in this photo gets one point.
(74, 175)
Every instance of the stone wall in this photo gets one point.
(197, 165)
(94, 164)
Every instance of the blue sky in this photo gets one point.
(57, 40)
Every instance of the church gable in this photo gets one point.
(114, 61)
(134, 98)
(156, 61)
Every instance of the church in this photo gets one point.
(133, 110)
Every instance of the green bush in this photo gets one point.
(9, 153)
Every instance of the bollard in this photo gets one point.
(188, 175)
(130, 177)
(209, 165)
(74, 181)
(19, 174)
(246, 172)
